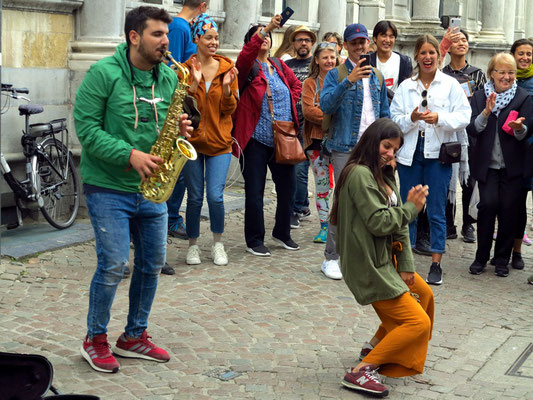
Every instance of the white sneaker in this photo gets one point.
(193, 255)
(219, 254)
(331, 269)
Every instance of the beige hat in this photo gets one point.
(304, 29)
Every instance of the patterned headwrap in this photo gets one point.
(201, 24)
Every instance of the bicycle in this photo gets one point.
(51, 183)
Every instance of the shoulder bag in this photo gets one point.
(286, 144)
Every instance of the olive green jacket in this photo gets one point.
(366, 229)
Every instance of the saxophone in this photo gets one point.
(173, 149)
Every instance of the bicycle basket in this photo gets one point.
(48, 128)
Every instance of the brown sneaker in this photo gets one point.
(366, 380)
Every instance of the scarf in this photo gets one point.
(502, 99)
(201, 24)
(524, 73)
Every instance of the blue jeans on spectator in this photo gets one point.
(214, 171)
(175, 200)
(437, 176)
(300, 199)
(254, 164)
(117, 217)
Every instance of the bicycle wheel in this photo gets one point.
(59, 184)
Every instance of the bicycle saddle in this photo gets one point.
(29, 109)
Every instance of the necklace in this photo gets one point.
(426, 85)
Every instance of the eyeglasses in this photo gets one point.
(503, 73)
(328, 44)
(424, 98)
(303, 40)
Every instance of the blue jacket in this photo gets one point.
(344, 101)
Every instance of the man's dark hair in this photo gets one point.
(521, 42)
(464, 33)
(382, 27)
(136, 19)
(194, 3)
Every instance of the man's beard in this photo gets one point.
(303, 52)
(150, 58)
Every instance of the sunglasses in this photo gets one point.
(424, 99)
(323, 45)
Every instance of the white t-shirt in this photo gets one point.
(367, 113)
(390, 70)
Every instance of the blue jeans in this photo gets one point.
(175, 200)
(437, 176)
(300, 199)
(214, 171)
(117, 217)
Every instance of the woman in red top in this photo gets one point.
(253, 133)
(213, 84)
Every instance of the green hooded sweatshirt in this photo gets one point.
(106, 112)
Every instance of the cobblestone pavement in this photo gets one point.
(284, 329)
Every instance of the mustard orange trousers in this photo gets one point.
(405, 331)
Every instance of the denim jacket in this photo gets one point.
(344, 101)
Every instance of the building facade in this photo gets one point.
(48, 45)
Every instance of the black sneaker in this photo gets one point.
(178, 230)
(295, 221)
(261, 251)
(435, 274)
(501, 270)
(288, 244)
(305, 214)
(477, 268)
(167, 270)
(516, 261)
(468, 233)
(422, 246)
(451, 232)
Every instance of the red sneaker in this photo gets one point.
(366, 380)
(140, 348)
(97, 354)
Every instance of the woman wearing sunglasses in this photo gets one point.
(325, 58)
(431, 108)
(500, 114)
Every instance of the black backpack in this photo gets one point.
(463, 77)
(255, 71)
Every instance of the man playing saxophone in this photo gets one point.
(120, 107)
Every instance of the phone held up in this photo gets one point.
(450, 22)
(285, 15)
(364, 60)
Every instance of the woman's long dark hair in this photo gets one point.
(366, 152)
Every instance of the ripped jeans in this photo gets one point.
(118, 218)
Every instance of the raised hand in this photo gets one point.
(417, 195)
(517, 124)
(489, 105)
(359, 73)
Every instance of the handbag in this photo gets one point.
(450, 152)
(288, 148)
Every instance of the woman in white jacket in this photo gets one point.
(431, 108)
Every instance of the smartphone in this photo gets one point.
(455, 23)
(285, 15)
(364, 60)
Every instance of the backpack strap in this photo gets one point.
(255, 71)
(379, 76)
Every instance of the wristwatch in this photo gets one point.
(262, 32)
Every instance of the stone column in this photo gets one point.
(352, 11)
(239, 15)
(529, 18)
(520, 29)
(102, 20)
(370, 12)
(509, 16)
(331, 16)
(100, 28)
(492, 20)
(426, 16)
(397, 11)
